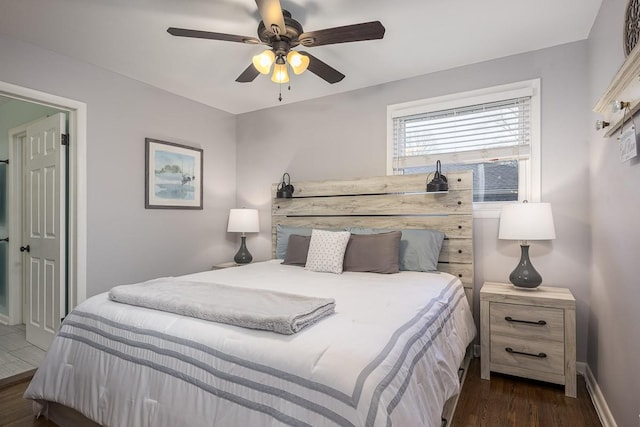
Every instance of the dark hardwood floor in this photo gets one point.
(16, 411)
(507, 401)
(502, 402)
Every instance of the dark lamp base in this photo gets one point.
(243, 256)
(524, 275)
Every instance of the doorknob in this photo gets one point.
(25, 248)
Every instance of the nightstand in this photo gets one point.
(529, 333)
(226, 265)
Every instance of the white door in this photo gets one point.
(44, 228)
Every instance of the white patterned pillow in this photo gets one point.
(326, 251)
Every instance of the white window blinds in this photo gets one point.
(499, 130)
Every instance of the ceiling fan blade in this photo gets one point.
(248, 75)
(349, 33)
(271, 13)
(197, 34)
(323, 70)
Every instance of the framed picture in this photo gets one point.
(173, 176)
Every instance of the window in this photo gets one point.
(494, 132)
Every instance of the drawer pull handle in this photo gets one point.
(512, 351)
(539, 322)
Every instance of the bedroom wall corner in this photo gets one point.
(613, 338)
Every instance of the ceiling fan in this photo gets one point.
(282, 33)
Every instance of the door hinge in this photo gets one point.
(65, 139)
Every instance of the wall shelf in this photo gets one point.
(625, 86)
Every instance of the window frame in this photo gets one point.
(528, 169)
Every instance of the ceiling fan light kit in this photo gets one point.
(299, 63)
(282, 33)
(263, 61)
(280, 74)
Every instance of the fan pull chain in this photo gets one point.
(280, 94)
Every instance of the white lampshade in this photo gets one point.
(243, 221)
(527, 221)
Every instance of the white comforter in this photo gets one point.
(388, 356)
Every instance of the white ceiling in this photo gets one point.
(422, 36)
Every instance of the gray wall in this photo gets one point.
(614, 337)
(344, 136)
(127, 243)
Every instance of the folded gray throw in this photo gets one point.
(250, 308)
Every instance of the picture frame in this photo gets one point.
(173, 175)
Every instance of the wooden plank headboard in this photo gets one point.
(393, 202)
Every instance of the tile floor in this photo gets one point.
(16, 354)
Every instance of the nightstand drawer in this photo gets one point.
(541, 356)
(527, 322)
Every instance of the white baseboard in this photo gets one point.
(606, 418)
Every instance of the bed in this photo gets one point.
(388, 355)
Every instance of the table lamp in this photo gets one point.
(525, 222)
(243, 221)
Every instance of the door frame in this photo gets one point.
(77, 209)
(15, 274)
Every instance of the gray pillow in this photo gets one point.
(419, 249)
(375, 253)
(282, 238)
(297, 250)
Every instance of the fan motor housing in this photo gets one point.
(294, 29)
